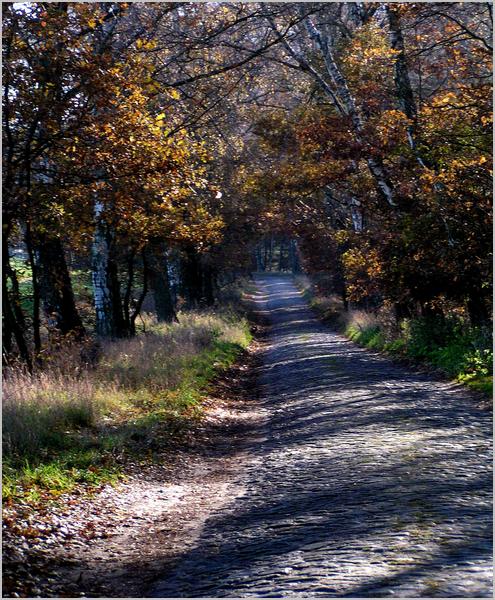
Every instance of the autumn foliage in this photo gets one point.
(154, 147)
(423, 113)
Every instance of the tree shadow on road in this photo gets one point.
(371, 477)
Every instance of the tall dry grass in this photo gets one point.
(41, 410)
(38, 408)
(449, 343)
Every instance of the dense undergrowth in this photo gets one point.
(73, 423)
(448, 344)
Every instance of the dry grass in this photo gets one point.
(449, 344)
(38, 407)
(330, 308)
(153, 360)
(130, 376)
(360, 320)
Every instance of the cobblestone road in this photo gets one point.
(368, 479)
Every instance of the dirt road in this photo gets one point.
(367, 479)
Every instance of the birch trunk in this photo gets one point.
(100, 254)
(356, 215)
(100, 249)
(348, 102)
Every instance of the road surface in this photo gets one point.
(367, 479)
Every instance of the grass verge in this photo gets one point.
(448, 344)
(73, 425)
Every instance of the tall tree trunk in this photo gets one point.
(56, 287)
(36, 293)
(126, 301)
(13, 318)
(160, 283)
(403, 87)
(258, 258)
(191, 278)
(100, 253)
(7, 323)
(121, 329)
(407, 103)
(339, 283)
(142, 296)
(478, 310)
(294, 266)
(11, 327)
(281, 255)
(208, 291)
(270, 253)
(345, 300)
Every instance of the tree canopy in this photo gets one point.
(155, 145)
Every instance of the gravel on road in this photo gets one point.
(367, 479)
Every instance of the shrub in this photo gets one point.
(397, 346)
(427, 334)
(461, 351)
(448, 343)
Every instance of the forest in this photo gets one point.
(157, 155)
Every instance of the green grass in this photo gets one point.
(63, 429)
(34, 480)
(482, 383)
(371, 337)
(462, 352)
